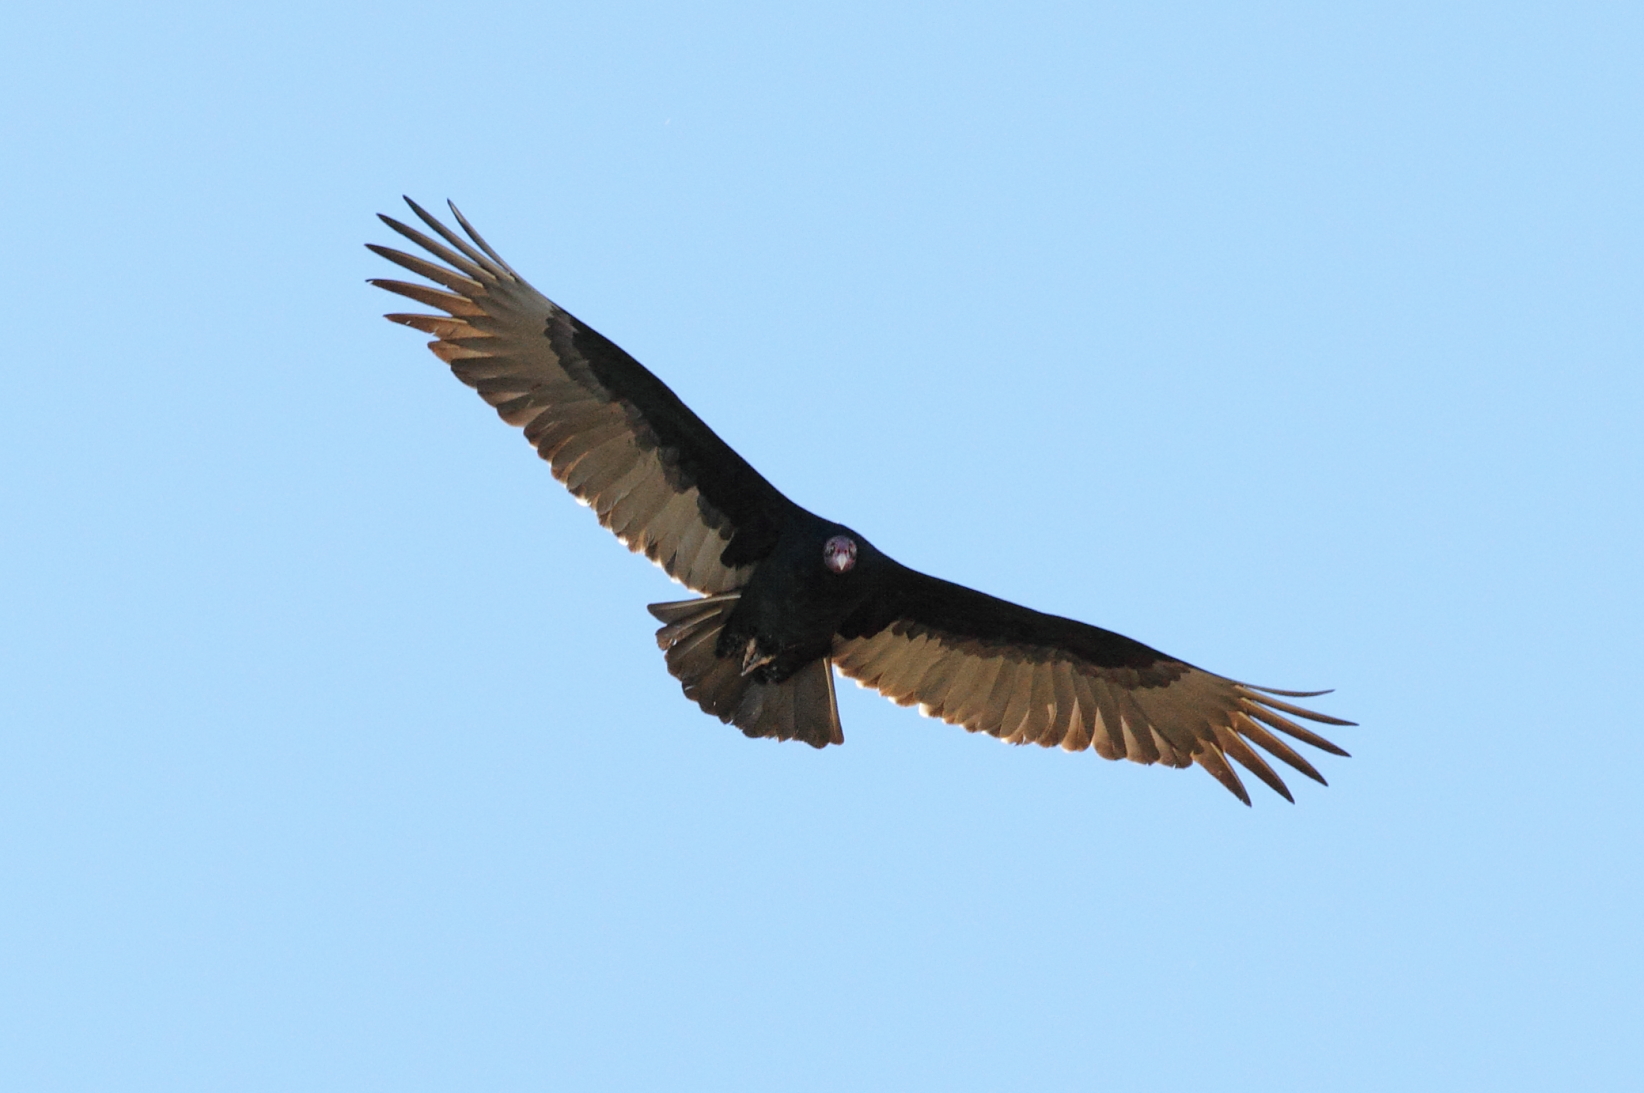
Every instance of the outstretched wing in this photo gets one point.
(618, 438)
(1026, 677)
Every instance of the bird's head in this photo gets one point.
(839, 554)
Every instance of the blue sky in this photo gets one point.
(1303, 342)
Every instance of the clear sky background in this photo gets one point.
(1302, 341)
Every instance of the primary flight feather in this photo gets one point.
(788, 596)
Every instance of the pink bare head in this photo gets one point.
(839, 553)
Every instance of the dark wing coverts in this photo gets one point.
(1031, 678)
(618, 438)
(659, 478)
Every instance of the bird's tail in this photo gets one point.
(802, 707)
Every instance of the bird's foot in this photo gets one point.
(753, 659)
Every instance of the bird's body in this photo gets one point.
(787, 595)
(792, 607)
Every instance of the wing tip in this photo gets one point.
(1217, 766)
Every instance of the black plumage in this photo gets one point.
(787, 596)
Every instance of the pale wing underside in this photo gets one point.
(1170, 713)
(497, 334)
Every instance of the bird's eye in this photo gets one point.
(839, 553)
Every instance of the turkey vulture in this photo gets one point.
(787, 596)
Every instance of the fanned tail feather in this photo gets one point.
(801, 707)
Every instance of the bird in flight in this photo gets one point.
(788, 596)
